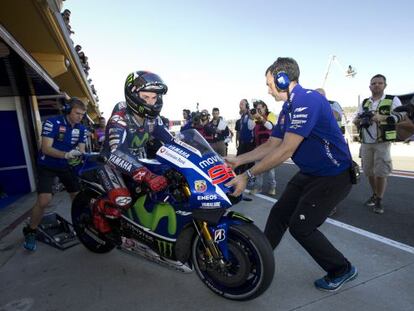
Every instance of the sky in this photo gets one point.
(216, 52)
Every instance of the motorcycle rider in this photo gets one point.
(128, 131)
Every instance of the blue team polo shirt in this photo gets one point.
(323, 152)
(245, 135)
(65, 138)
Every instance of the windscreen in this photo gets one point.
(193, 138)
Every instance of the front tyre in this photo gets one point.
(83, 223)
(249, 270)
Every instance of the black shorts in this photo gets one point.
(47, 175)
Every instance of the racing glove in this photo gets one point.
(72, 154)
(155, 182)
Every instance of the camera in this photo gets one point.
(408, 109)
(253, 111)
(366, 119)
(195, 118)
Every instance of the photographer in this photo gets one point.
(376, 123)
(219, 126)
(265, 120)
(200, 122)
(245, 137)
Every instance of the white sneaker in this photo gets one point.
(272, 192)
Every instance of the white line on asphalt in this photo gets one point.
(356, 230)
(371, 235)
(401, 176)
(394, 173)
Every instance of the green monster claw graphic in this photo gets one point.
(165, 248)
(237, 215)
(129, 79)
(151, 220)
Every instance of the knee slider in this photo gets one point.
(120, 197)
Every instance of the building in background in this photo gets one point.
(39, 68)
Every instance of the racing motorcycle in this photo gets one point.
(187, 227)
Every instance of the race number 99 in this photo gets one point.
(220, 173)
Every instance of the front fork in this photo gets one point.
(214, 238)
(213, 249)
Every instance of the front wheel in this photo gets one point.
(83, 224)
(249, 270)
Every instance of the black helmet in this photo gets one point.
(148, 82)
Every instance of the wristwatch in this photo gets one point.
(250, 177)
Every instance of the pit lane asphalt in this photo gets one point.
(397, 222)
(76, 279)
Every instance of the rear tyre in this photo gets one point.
(249, 270)
(83, 224)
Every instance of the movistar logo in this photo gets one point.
(165, 248)
(138, 142)
(152, 219)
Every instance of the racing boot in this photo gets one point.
(99, 221)
(111, 207)
(109, 227)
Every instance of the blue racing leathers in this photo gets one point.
(125, 143)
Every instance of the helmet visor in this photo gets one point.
(149, 82)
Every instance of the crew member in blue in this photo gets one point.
(245, 136)
(128, 131)
(308, 133)
(63, 141)
(187, 120)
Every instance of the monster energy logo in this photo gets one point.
(165, 248)
(137, 142)
(129, 79)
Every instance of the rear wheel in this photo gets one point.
(83, 224)
(249, 270)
